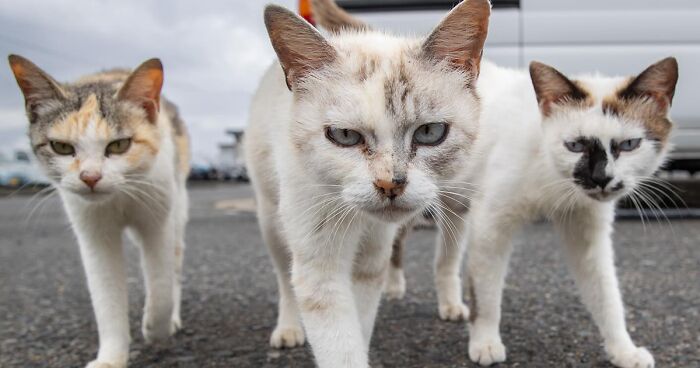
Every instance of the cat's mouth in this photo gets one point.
(605, 195)
(391, 211)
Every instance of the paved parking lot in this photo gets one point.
(230, 297)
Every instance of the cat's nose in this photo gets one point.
(601, 180)
(90, 178)
(390, 189)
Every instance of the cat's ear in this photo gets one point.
(37, 86)
(460, 36)
(552, 87)
(299, 46)
(657, 82)
(143, 87)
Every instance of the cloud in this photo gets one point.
(214, 53)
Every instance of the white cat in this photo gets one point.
(593, 140)
(349, 137)
(119, 157)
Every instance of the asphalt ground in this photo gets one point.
(229, 305)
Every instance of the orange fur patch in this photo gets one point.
(644, 110)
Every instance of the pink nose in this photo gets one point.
(90, 178)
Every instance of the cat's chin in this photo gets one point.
(91, 196)
(392, 213)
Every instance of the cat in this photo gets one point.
(118, 155)
(454, 203)
(350, 136)
(589, 141)
(581, 136)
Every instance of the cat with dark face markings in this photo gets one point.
(118, 155)
(593, 140)
(349, 137)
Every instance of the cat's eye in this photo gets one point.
(430, 134)
(63, 149)
(118, 147)
(574, 146)
(344, 137)
(630, 144)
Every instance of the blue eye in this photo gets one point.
(430, 134)
(630, 144)
(573, 146)
(344, 137)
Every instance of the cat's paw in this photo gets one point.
(287, 337)
(395, 287)
(487, 352)
(453, 312)
(631, 357)
(158, 332)
(98, 364)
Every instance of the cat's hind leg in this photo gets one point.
(181, 215)
(449, 252)
(289, 331)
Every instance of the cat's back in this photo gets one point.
(270, 115)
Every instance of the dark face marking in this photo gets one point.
(589, 172)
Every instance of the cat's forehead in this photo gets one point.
(382, 76)
(607, 109)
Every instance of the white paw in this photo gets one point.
(487, 352)
(158, 332)
(395, 287)
(97, 364)
(632, 357)
(287, 337)
(453, 312)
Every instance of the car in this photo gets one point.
(619, 37)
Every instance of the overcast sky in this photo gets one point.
(214, 52)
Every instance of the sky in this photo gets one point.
(213, 51)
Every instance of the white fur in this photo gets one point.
(525, 173)
(151, 202)
(327, 229)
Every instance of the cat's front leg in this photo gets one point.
(589, 251)
(322, 280)
(157, 242)
(369, 274)
(103, 259)
(489, 252)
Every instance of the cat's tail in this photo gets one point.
(330, 16)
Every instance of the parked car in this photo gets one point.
(20, 170)
(619, 37)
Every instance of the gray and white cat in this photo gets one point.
(349, 137)
(118, 155)
(593, 140)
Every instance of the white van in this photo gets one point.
(614, 37)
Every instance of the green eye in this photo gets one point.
(118, 147)
(430, 134)
(61, 148)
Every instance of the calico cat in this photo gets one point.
(349, 137)
(118, 155)
(593, 140)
